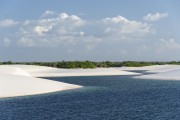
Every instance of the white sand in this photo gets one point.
(15, 81)
(82, 72)
(20, 80)
(18, 85)
(153, 68)
(162, 72)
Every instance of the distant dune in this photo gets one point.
(163, 72)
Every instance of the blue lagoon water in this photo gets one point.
(102, 98)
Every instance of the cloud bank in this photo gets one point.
(116, 37)
(53, 30)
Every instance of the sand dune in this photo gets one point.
(165, 72)
(82, 72)
(18, 85)
(20, 80)
(41, 71)
(14, 81)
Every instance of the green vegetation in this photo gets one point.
(89, 64)
(73, 64)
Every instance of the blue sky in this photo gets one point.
(115, 30)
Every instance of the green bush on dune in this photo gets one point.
(76, 64)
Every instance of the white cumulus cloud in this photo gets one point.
(42, 29)
(48, 13)
(122, 26)
(118, 19)
(63, 16)
(155, 17)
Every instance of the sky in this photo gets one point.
(96, 30)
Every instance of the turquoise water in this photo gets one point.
(102, 98)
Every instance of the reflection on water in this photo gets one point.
(102, 98)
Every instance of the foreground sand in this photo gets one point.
(15, 81)
(21, 80)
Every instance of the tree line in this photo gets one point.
(91, 64)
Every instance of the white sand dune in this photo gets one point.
(163, 72)
(153, 68)
(162, 68)
(82, 72)
(41, 71)
(20, 80)
(15, 81)
(18, 85)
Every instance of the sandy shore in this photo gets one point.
(20, 80)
